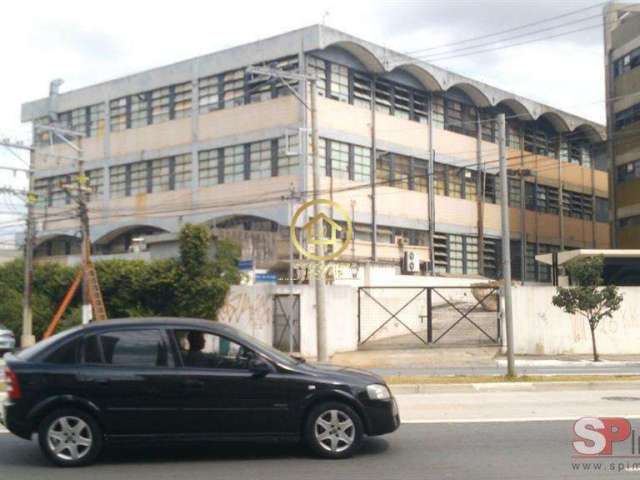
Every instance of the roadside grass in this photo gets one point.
(424, 379)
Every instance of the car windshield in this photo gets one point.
(277, 354)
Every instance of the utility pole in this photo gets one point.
(292, 197)
(85, 246)
(27, 338)
(506, 247)
(374, 169)
(431, 195)
(283, 76)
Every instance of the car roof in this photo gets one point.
(158, 321)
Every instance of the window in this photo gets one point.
(361, 90)
(419, 177)
(339, 154)
(514, 193)
(627, 116)
(288, 155)
(118, 114)
(181, 106)
(339, 85)
(142, 348)
(470, 185)
(118, 181)
(139, 110)
(401, 171)
(471, 255)
(440, 179)
(67, 354)
(438, 111)
(440, 252)
(530, 262)
(491, 256)
(209, 167)
(629, 171)
(454, 181)
(42, 187)
(456, 249)
(96, 183)
(233, 88)
(361, 164)
(626, 63)
(160, 175)
(233, 161)
(209, 93)
(200, 349)
(182, 172)
(318, 67)
(402, 103)
(513, 134)
(139, 178)
(384, 170)
(160, 105)
(91, 352)
(384, 102)
(459, 116)
(260, 159)
(288, 64)
(602, 210)
(59, 196)
(420, 108)
(95, 120)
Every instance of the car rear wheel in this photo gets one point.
(333, 430)
(70, 438)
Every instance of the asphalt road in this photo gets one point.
(522, 450)
(522, 370)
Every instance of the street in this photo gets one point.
(523, 450)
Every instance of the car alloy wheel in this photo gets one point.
(69, 438)
(334, 430)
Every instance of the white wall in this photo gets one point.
(541, 328)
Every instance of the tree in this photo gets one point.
(588, 297)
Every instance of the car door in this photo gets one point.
(130, 374)
(222, 396)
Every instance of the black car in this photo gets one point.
(183, 379)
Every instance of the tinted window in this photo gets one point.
(66, 354)
(143, 348)
(91, 350)
(206, 350)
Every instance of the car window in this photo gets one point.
(66, 354)
(141, 348)
(91, 350)
(200, 349)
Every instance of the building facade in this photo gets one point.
(622, 68)
(204, 141)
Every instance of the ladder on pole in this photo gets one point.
(95, 294)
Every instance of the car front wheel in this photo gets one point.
(333, 430)
(70, 438)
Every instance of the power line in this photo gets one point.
(509, 30)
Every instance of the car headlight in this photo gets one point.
(378, 392)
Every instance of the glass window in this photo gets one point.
(200, 349)
(456, 254)
(470, 184)
(233, 158)
(288, 64)
(118, 114)
(160, 105)
(454, 180)
(140, 110)
(361, 164)
(209, 93)
(182, 172)
(440, 179)
(91, 352)
(139, 178)
(142, 348)
(361, 90)
(402, 171)
(339, 88)
(438, 111)
(67, 354)
(288, 155)
(440, 252)
(59, 196)
(160, 175)
(209, 167)
(260, 159)
(420, 108)
(420, 178)
(96, 183)
(339, 160)
(96, 120)
(182, 100)
(318, 67)
(514, 192)
(384, 172)
(471, 255)
(118, 181)
(383, 98)
(233, 88)
(402, 103)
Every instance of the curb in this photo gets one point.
(501, 387)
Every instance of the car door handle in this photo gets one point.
(96, 380)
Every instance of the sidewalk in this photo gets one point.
(480, 361)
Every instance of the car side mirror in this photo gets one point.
(258, 367)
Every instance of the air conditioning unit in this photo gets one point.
(411, 262)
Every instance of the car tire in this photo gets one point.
(333, 430)
(70, 438)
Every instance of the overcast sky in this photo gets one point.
(86, 42)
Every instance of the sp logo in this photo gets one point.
(595, 436)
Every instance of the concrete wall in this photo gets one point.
(547, 330)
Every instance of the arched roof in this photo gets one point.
(558, 122)
(363, 54)
(591, 133)
(54, 236)
(116, 232)
(518, 108)
(426, 79)
(477, 96)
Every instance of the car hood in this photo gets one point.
(341, 374)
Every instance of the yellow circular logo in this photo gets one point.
(325, 224)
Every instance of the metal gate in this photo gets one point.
(283, 315)
(409, 317)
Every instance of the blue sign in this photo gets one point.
(266, 278)
(245, 264)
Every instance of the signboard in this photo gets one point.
(245, 264)
(266, 278)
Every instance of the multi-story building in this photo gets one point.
(622, 69)
(203, 141)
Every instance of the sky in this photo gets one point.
(85, 42)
